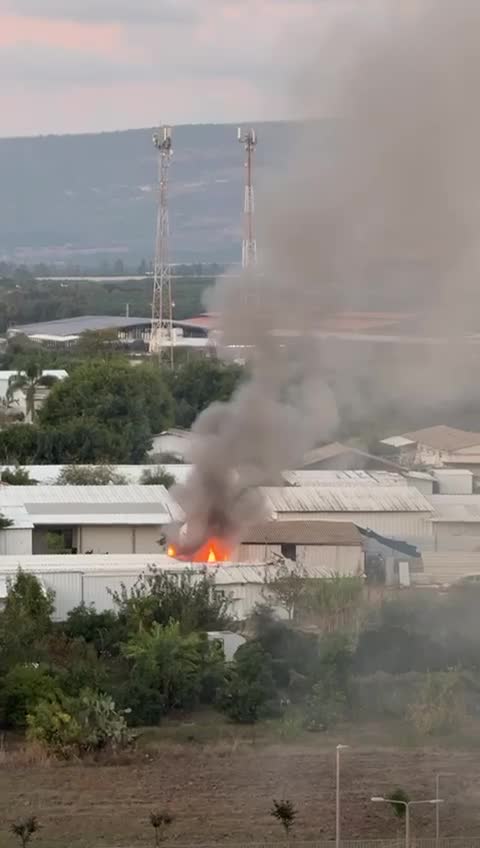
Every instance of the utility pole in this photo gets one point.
(162, 333)
(249, 246)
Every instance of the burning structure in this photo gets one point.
(398, 185)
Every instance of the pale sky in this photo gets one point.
(90, 65)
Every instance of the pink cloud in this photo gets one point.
(16, 30)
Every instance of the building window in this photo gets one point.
(289, 552)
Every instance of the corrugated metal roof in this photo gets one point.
(74, 326)
(132, 494)
(92, 504)
(343, 478)
(444, 438)
(19, 516)
(124, 566)
(226, 575)
(346, 499)
(304, 533)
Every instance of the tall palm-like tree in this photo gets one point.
(28, 382)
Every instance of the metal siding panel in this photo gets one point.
(111, 540)
(97, 588)
(147, 539)
(342, 499)
(257, 553)
(68, 591)
(16, 542)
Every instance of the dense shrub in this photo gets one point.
(87, 724)
(22, 688)
(103, 630)
(249, 691)
(171, 664)
(160, 598)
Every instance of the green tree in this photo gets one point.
(197, 383)
(29, 382)
(90, 475)
(21, 689)
(158, 597)
(169, 662)
(128, 403)
(157, 476)
(285, 586)
(26, 618)
(157, 398)
(249, 690)
(19, 443)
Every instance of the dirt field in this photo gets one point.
(222, 792)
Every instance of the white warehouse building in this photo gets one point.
(397, 511)
(93, 579)
(84, 519)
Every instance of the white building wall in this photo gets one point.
(147, 540)
(397, 524)
(345, 560)
(14, 541)
(425, 487)
(341, 559)
(106, 540)
(68, 588)
(455, 536)
(97, 588)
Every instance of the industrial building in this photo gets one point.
(66, 332)
(435, 447)
(93, 579)
(456, 522)
(422, 481)
(336, 546)
(84, 519)
(448, 568)
(398, 511)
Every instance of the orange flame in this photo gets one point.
(215, 550)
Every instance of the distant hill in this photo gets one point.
(89, 196)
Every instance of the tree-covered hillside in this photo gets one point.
(91, 195)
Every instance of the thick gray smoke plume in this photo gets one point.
(395, 185)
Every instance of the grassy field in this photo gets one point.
(218, 781)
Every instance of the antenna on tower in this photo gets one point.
(162, 333)
(249, 246)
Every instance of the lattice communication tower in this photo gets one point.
(162, 332)
(249, 245)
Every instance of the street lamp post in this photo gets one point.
(337, 804)
(407, 805)
(437, 796)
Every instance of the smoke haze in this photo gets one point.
(398, 186)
